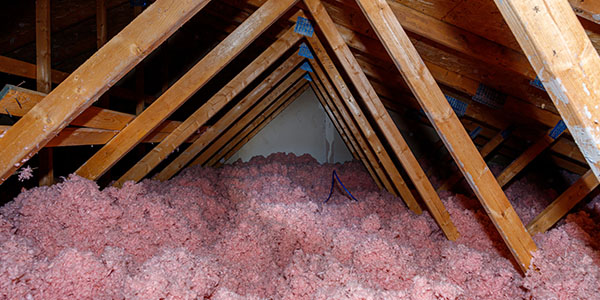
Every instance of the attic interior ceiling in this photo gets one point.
(466, 45)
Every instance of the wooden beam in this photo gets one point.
(24, 69)
(563, 204)
(525, 159)
(253, 97)
(382, 118)
(43, 82)
(17, 101)
(486, 150)
(449, 128)
(184, 88)
(566, 63)
(90, 80)
(78, 136)
(229, 142)
(211, 107)
(259, 124)
(587, 9)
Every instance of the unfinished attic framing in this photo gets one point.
(504, 80)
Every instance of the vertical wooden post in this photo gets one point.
(449, 128)
(44, 84)
(565, 61)
(101, 29)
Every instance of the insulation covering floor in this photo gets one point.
(259, 230)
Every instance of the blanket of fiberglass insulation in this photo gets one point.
(260, 230)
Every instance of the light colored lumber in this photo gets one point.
(184, 88)
(91, 79)
(356, 125)
(24, 69)
(383, 119)
(277, 95)
(524, 159)
(490, 146)
(17, 101)
(587, 9)
(449, 128)
(210, 108)
(259, 123)
(563, 204)
(253, 97)
(566, 63)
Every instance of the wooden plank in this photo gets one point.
(91, 79)
(356, 125)
(211, 107)
(17, 101)
(254, 96)
(184, 88)
(587, 9)
(524, 159)
(43, 82)
(77, 136)
(490, 146)
(565, 61)
(281, 92)
(396, 184)
(563, 204)
(449, 128)
(24, 69)
(382, 118)
(264, 120)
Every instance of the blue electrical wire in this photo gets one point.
(334, 176)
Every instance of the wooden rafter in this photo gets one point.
(566, 62)
(90, 80)
(43, 80)
(254, 96)
(382, 118)
(184, 88)
(210, 108)
(449, 128)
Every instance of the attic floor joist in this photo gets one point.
(89, 81)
